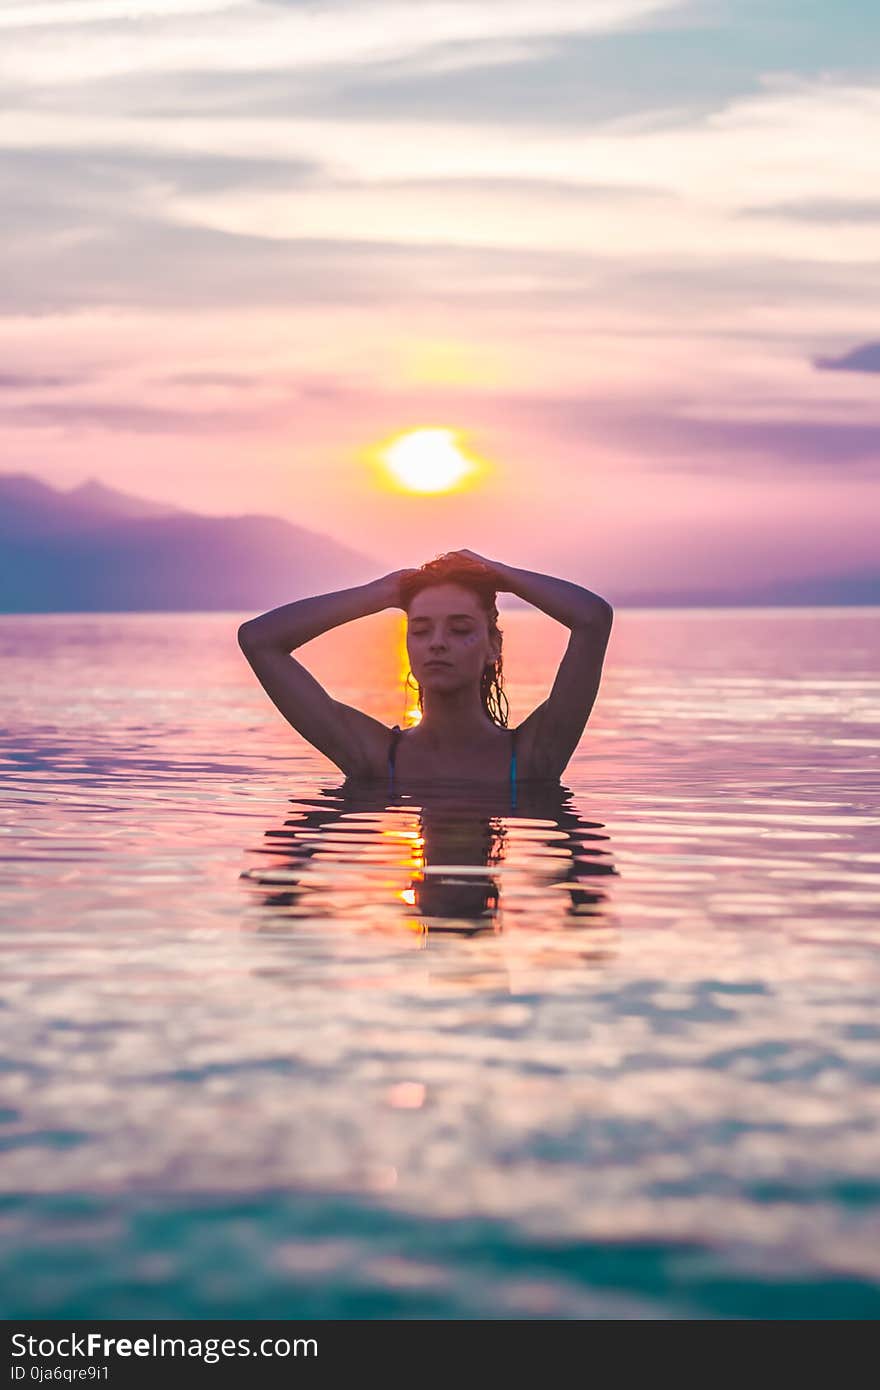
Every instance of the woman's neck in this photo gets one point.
(455, 718)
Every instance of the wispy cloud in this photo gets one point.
(249, 35)
(36, 381)
(860, 359)
(827, 211)
(107, 416)
(37, 14)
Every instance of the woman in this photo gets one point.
(454, 647)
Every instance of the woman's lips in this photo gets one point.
(438, 663)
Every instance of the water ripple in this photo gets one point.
(275, 1048)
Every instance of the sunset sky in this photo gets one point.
(629, 250)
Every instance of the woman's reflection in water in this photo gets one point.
(445, 865)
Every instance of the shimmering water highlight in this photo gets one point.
(274, 1048)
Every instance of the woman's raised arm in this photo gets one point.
(347, 736)
(568, 603)
(550, 734)
(295, 623)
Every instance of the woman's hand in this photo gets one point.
(389, 585)
(500, 573)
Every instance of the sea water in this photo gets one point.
(272, 1048)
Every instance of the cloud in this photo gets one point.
(73, 242)
(830, 211)
(572, 80)
(128, 418)
(283, 386)
(72, 177)
(654, 439)
(36, 14)
(54, 261)
(59, 176)
(539, 62)
(570, 189)
(830, 444)
(861, 359)
(228, 380)
(37, 381)
(707, 445)
(250, 37)
(142, 262)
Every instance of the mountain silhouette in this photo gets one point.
(861, 587)
(95, 549)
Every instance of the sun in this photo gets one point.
(427, 460)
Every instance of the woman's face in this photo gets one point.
(448, 625)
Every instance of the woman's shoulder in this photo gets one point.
(529, 748)
(368, 742)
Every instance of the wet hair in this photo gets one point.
(470, 574)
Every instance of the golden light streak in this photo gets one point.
(412, 715)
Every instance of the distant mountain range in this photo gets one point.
(813, 591)
(94, 549)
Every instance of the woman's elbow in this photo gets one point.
(600, 614)
(246, 633)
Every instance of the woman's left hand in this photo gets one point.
(497, 569)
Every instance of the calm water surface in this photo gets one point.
(269, 1048)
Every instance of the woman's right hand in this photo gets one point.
(390, 585)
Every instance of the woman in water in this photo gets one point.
(454, 647)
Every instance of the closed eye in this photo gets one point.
(418, 630)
